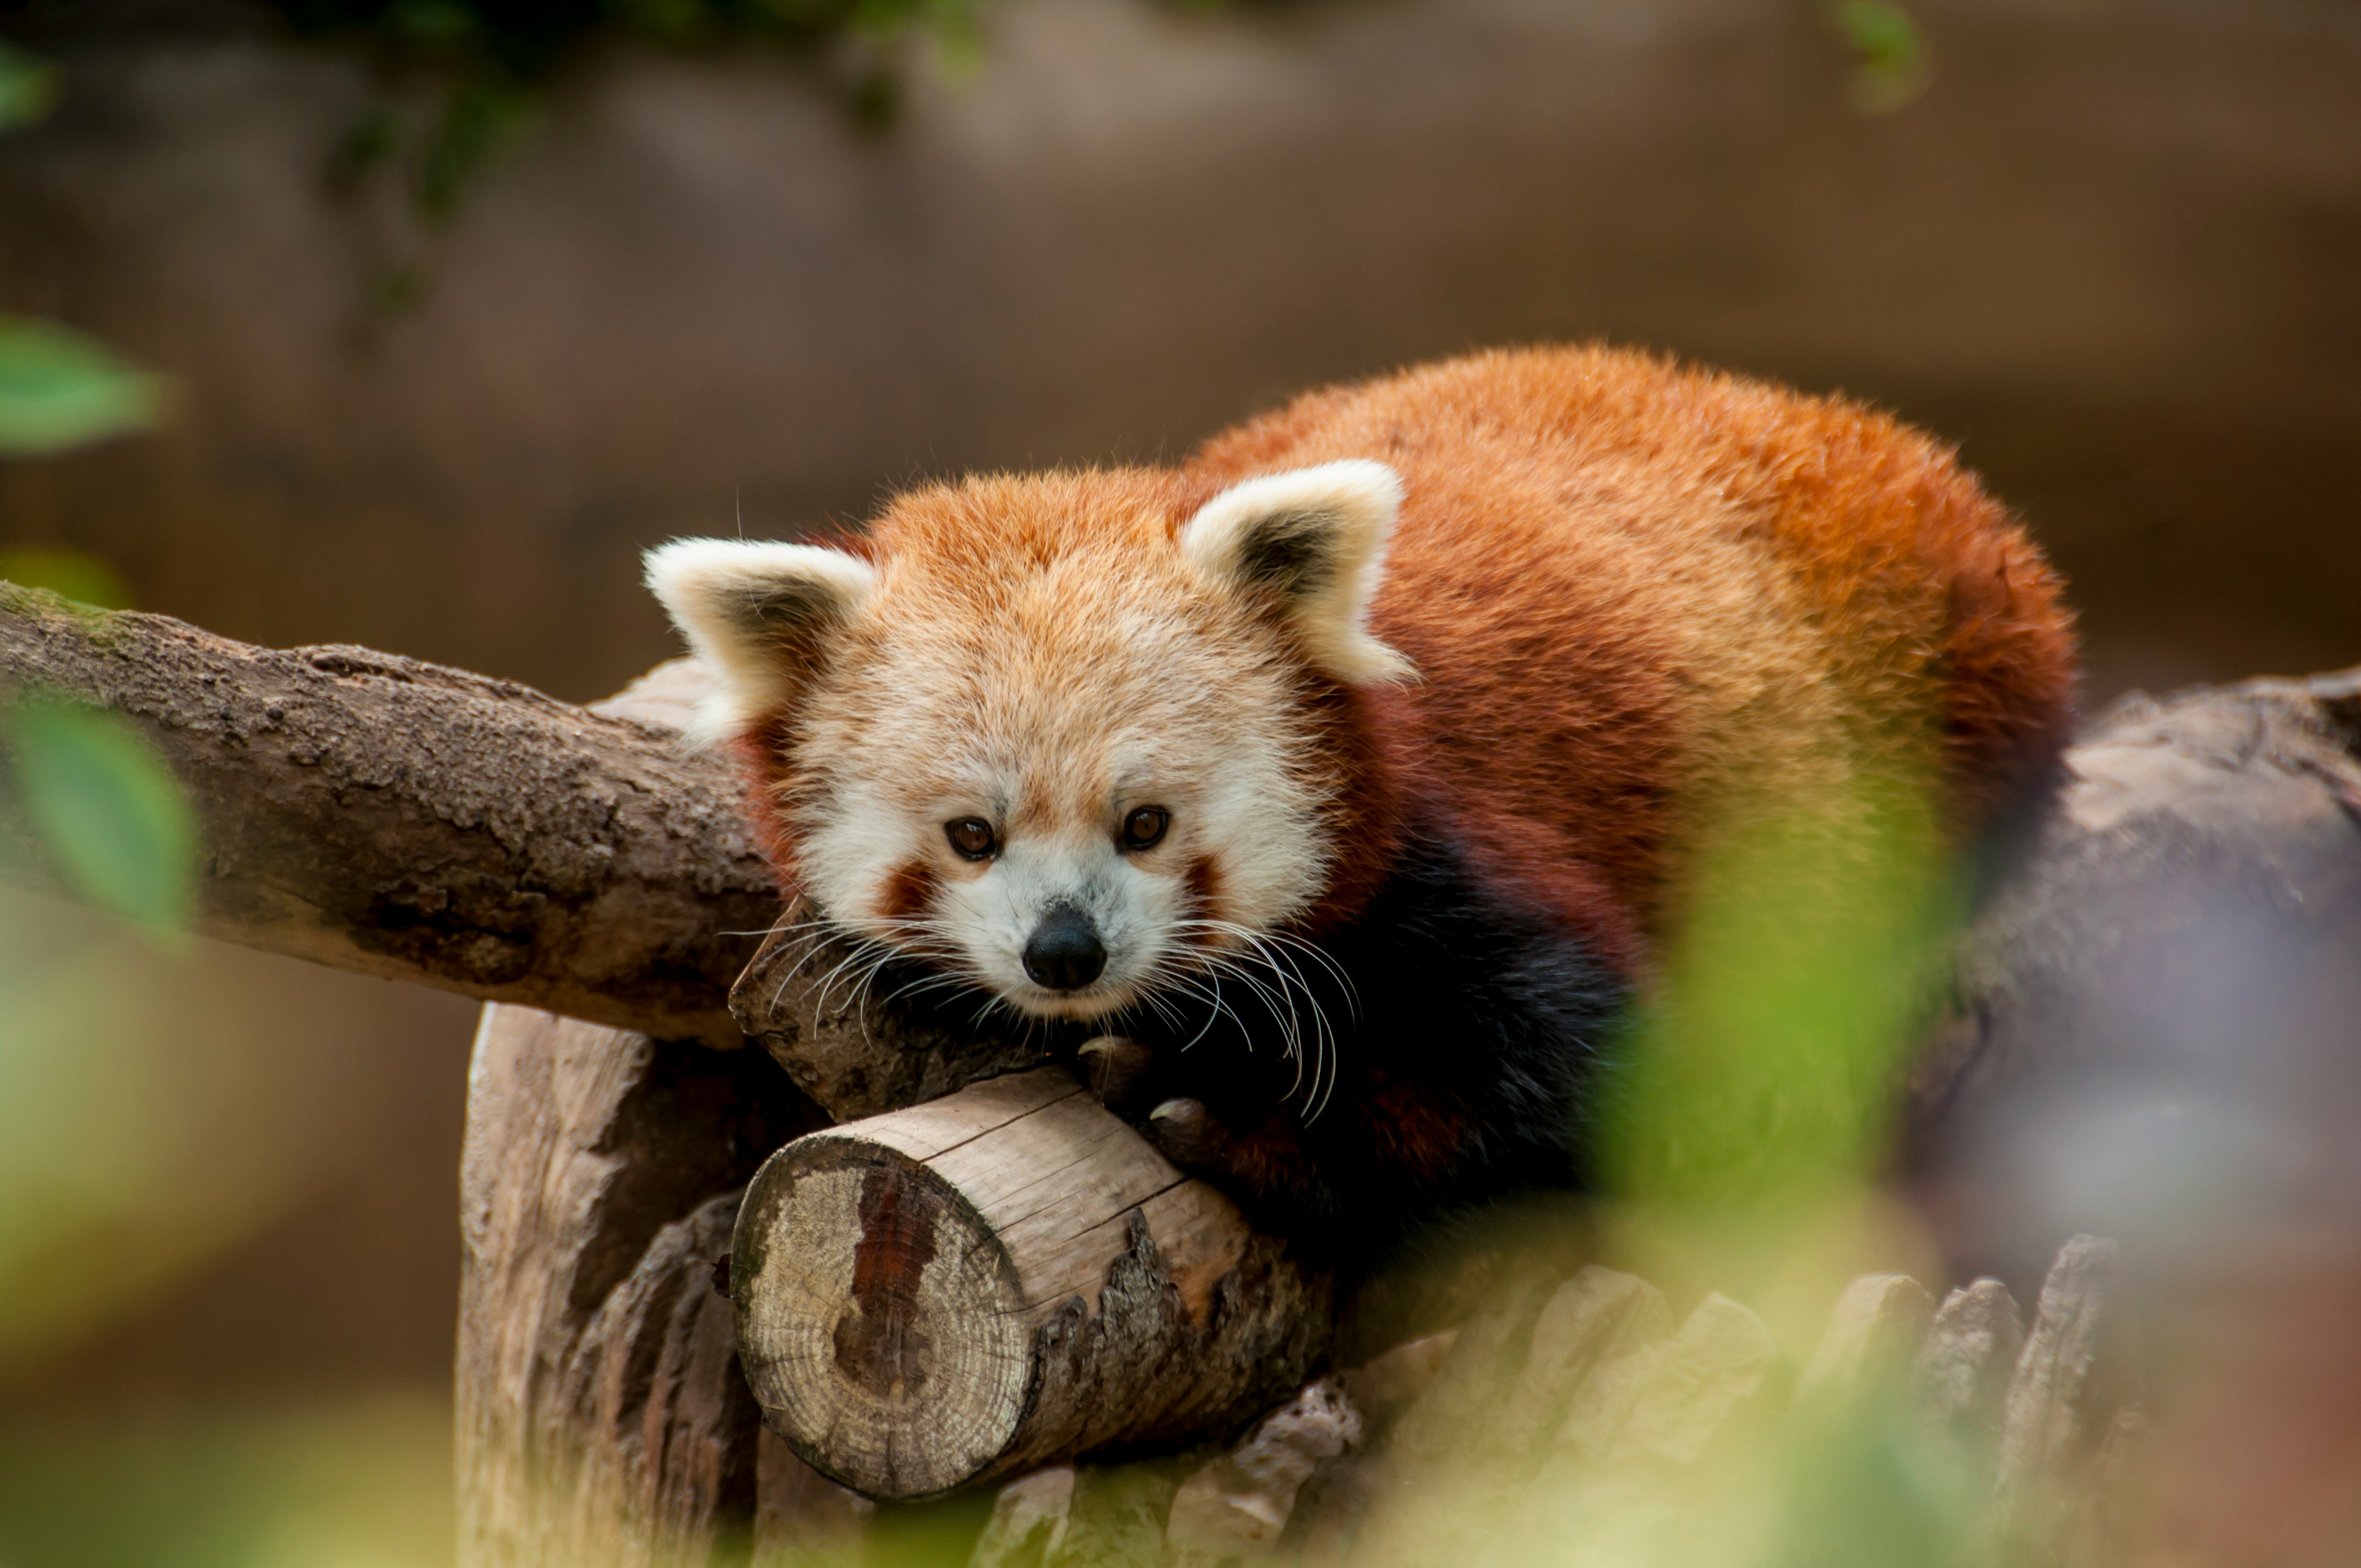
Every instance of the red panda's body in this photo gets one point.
(1631, 590)
(1642, 604)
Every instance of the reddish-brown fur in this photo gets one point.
(1548, 724)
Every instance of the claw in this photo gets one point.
(1116, 1068)
(1184, 1118)
(1186, 1132)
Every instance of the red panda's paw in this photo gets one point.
(1121, 1073)
(1266, 1168)
(1192, 1138)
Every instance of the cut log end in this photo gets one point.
(1000, 1278)
(884, 1322)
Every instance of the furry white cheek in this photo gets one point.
(978, 920)
(1267, 846)
(847, 861)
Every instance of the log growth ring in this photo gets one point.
(874, 1304)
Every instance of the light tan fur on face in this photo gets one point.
(1046, 655)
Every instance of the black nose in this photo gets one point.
(1064, 953)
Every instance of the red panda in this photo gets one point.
(1355, 766)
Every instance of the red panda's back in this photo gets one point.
(1638, 594)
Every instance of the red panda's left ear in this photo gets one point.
(1312, 541)
(764, 616)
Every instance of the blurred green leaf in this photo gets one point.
(1862, 1486)
(371, 142)
(478, 118)
(342, 1482)
(1763, 1071)
(107, 806)
(61, 389)
(490, 63)
(30, 87)
(74, 574)
(1891, 64)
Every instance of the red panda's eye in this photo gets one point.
(1145, 826)
(973, 837)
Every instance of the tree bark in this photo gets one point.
(603, 1421)
(855, 1045)
(1001, 1278)
(2181, 930)
(378, 814)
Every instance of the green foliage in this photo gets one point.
(1891, 64)
(59, 390)
(524, 41)
(1763, 1071)
(107, 808)
(28, 87)
(360, 1483)
(69, 574)
(491, 57)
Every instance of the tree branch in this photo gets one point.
(401, 819)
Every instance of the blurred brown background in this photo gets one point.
(2110, 250)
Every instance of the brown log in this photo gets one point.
(1961, 1375)
(379, 813)
(855, 1046)
(1004, 1277)
(2078, 1371)
(2203, 863)
(602, 1418)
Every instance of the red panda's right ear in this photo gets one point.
(761, 615)
(1311, 542)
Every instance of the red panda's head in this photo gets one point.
(1047, 733)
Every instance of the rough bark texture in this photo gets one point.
(851, 1042)
(602, 1418)
(1872, 1341)
(2183, 929)
(1239, 1505)
(1001, 1278)
(1963, 1372)
(379, 813)
(2079, 1371)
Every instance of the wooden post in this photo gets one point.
(1001, 1277)
(602, 1419)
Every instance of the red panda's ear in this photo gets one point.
(761, 615)
(1312, 541)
